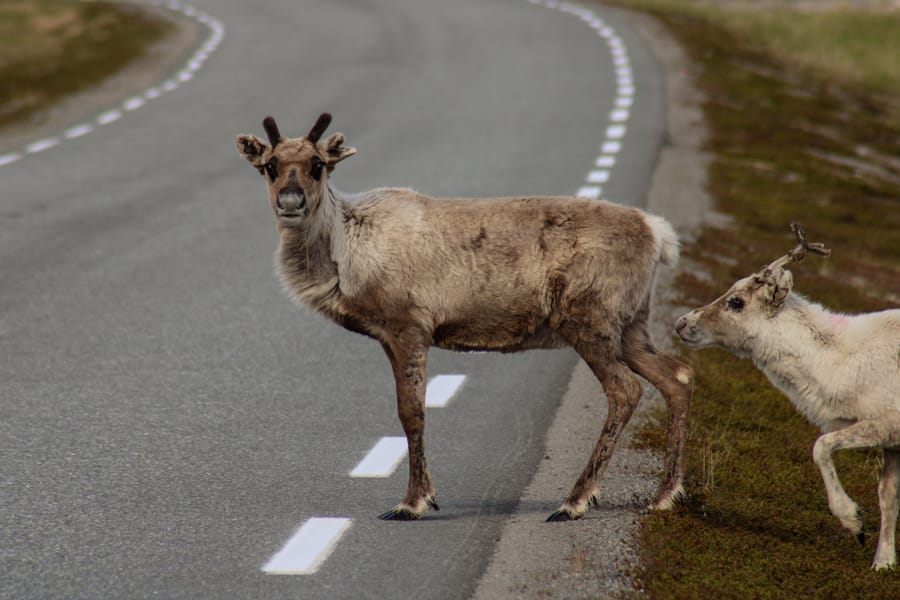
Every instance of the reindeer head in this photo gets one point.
(732, 320)
(296, 169)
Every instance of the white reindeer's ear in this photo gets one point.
(252, 149)
(333, 148)
(778, 286)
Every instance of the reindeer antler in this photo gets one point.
(271, 131)
(800, 252)
(319, 128)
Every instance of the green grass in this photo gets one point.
(791, 142)
(49, 49)
(851, 47)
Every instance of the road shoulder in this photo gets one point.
(591, 557)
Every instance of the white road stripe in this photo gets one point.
(78, 131)
(589, 191)
(305, 552)
(611, 147)
(618, 115)
(605, 160)
(109, 116)
(441, 389)
(133, 103)
(8, 159)
(598, 176)
(41, 145)
(382, 460)
(614, 132)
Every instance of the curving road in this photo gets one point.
(168, 419)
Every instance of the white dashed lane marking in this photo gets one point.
(619, 116)
(308, 548)
(441, 389)
(382, 459)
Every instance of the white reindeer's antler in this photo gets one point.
(800, 252)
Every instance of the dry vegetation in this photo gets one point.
(49, 49)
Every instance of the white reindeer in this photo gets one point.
(501, 274)
(842, 372)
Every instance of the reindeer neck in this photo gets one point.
(306, 254)
(795, 331)
(794, 349)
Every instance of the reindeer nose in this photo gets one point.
(680, 325)
(291, 201)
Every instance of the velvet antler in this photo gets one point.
(271, 131)
(319, 128)
(800, 252)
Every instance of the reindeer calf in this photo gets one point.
(502, 274)
(841, 372)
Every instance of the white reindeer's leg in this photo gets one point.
(863, 434)
(623, 392)
(408, 355)
(888, 487)
(675, 380)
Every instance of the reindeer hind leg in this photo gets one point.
(675, 381)
(623, 392)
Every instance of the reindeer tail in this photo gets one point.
(667, 244)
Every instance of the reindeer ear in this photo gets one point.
(252, 149)
(778, 286)
(334, 149)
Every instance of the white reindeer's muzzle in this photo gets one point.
(687, 330)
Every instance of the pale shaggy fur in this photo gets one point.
(501, 274)
(842, 372)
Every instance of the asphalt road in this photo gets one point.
(168, 418)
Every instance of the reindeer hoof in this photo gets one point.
(432, 503)
(400, 513)
(561, 516)
(861, 538)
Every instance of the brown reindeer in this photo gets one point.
(502, 274)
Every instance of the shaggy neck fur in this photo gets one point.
(306, 259)
(796, 350)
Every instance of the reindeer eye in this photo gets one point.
(272, 169)
(735, 304)
(316, 171)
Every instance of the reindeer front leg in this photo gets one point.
(408, 353)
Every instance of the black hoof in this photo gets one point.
(559, 516)
(399, 514)
(861, 538)
(433, 504)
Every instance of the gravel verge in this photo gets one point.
(591, 557)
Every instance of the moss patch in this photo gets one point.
(49, 49)
(789, 144)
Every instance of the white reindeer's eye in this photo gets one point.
(735, 304)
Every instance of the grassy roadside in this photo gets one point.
(49, 49)
(791, 140)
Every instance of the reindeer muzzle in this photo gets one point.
(291, 202)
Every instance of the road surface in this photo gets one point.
(168, 419)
